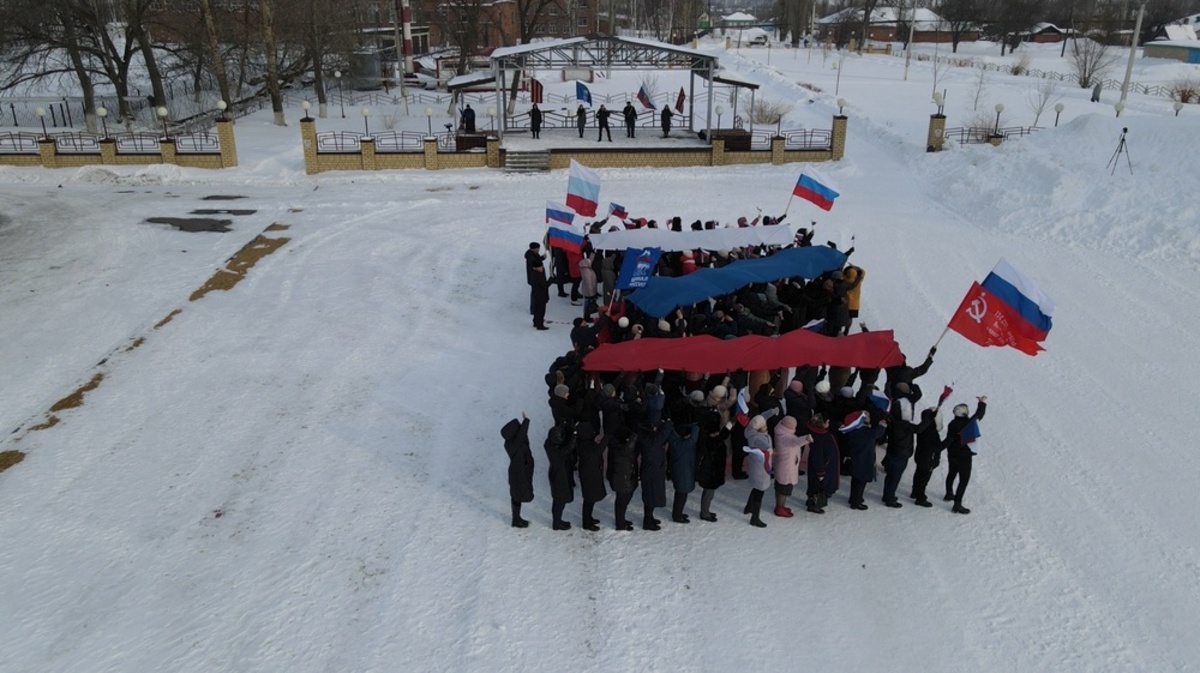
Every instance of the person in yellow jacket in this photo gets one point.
(853, 277)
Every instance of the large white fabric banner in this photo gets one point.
(710, 239)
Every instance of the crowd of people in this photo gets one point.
(788, 431)
(629, 116)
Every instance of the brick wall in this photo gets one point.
(48, 155)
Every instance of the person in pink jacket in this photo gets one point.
(788, 450)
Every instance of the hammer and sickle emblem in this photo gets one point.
(977, 309)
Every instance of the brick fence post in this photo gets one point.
(838, 142)
(308, 138)
(493, 152)
(431, 154)
(936, 138)
(718, 152)
(777, 154)
(49, 153)
(166, 149)
(368, 153)
(229, 155)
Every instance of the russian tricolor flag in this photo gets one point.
(556, 212)
(565, 236)
(816, 188)
(644, 98)
(583, 189)
(616, 209)
(742, 411)
(1024, 297)
(1007, 309)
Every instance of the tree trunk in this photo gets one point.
(71, 39)
(273, 89)
(214, 48)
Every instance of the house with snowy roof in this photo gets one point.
(890, 24)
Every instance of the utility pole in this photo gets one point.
(1133, 42)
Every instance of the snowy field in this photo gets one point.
(304, 473)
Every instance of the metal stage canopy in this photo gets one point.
(604, 52)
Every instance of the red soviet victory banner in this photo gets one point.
(985, 320)
(535, 91)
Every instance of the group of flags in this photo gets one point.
(584, 95)
(1007, 309)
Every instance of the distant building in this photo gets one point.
(889, 24)
(1187, 51)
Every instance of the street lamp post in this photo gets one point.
(841, 103)
(103, 115)
(305, 105)
(41, 113)
(162, 114)
(222, 106)
(429, 119)
(1058, 108)
(940, 101)
(999, 109)
(1119, 107)
(337, 75)
(366, 113)
(491, 113)
(720, 111)
(1178, 107)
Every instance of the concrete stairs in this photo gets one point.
(526, 162)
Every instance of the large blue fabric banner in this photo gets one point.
(662, 295)
(638, 267)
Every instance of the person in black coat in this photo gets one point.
(520, 466)
(565, 411)
(665, 119)
(630, 115)
(903, 373)
(652, 458)
(858, 439)
(581, 119)
(681, 455)
(602, 121)
(468, 119)
(535, 121)
(591, 472)
(539, 287)
(710, 458)
(560, 451)
(928, 454)
(959, 455)
(622, 472)
(823, 464)
(903, 425)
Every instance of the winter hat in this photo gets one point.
(822, 387)
(902, 388)
(696, 396)
(758, 423)
(854, 421)
(836, 275)
(623, 322)
(796, 386)
(664, 326)
(719, 392)
(961, 410)
(561, 390)
(609, 390)
(788, 423)
(846, 391)
(742, 222)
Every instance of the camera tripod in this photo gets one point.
(1122, 148)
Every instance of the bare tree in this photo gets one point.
(1089, 59)
(979, 88)
(1041, 96)
(266, 14)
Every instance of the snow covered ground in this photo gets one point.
(305, 473)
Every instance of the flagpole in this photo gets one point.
(939, 339)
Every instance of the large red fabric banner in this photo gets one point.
(712, 355)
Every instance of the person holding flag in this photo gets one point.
(962, 432)
(929, 449)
